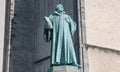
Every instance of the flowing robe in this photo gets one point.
(62, 48)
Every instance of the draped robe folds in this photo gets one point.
(62, 48)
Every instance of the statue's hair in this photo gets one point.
(58, 6)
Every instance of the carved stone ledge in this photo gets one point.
(64, 68)
(67, 71)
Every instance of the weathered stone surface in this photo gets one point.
(67, 71)
(103, 60)
(103, 23)
(2, 30)
(42, 66)
(64, 68)
(22, 37)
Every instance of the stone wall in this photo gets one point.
(103, 32)
(103, 23)
(28, 50)
(22, 37)
(103, 59)
(2, 31)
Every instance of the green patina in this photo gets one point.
(59, 28)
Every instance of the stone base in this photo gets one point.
(66, 71)
(64, 68)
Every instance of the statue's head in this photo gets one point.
(59, 8)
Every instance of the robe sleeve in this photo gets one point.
(48, 29)
(72, 25)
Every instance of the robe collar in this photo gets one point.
(57, 13)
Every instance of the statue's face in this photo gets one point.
(60, 8)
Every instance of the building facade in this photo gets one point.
(96, 40)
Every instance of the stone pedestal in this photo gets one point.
(64, 68)
(66, 71)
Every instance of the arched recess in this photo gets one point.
(42, 48)
(27, 33)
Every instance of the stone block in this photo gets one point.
(64, 68)
(67, 71)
